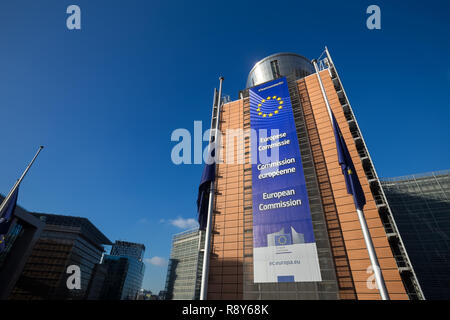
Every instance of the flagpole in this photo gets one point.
(16, 185)
(362, 220)
(200, 230)
(205, 269)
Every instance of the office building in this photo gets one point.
(185, 265)
(129, 249)
(98, 277)
(23, 233)
(420, 204)
(324, 234)
(125, 271)
(64, 241)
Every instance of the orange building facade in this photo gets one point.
(343, 256)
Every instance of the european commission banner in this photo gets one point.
(284, 249)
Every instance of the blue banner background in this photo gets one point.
(273, 220)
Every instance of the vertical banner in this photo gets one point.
(284, 248)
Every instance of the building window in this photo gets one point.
(275, 69)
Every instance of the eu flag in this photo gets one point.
(5, 218)
(348, 169)
(208, 176)
(283, 240)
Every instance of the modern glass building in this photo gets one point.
(125, 271)
(96, 282)
(129, 249)
(64, 241)
(420, 205)
(185, 266)
(341, 254)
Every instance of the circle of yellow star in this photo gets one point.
(278, 107)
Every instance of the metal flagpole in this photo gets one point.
(16, 185)
(362, 220)
(201, 231)
(205, 269)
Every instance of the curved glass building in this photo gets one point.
(279, 65)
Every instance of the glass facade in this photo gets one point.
(133, 281)
(185, 266)
(277, 65)
(96, 282)
(125, 271)
(421, 208)
(124, 248)
(13, 233)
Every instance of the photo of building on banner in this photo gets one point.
(284, 248)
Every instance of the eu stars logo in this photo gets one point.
(283, 240)
(272, 105)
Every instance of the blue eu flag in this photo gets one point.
(6, 218)
(348, 169)
(283, 240)
(208, 176)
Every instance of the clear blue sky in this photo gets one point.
(104, 100)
